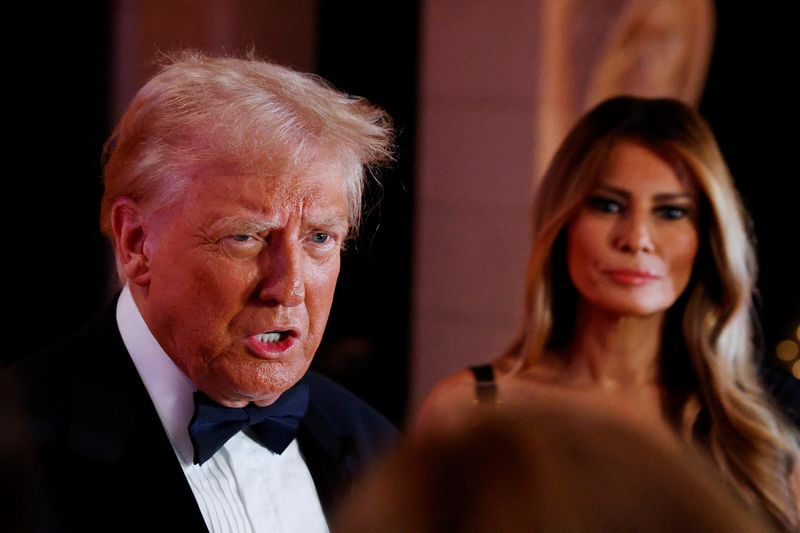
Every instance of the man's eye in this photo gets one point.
(241, 244)
(605, 205)
(320, 237)
(672, 212)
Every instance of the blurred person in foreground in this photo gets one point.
(639, 298)
(231, 187)
(550, 468)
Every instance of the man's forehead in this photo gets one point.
(260, 198)
(309, 206)
(307, 191)
(316, 190)
(287, 183)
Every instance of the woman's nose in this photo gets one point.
(633, 235)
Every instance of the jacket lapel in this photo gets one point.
(331, 459)
(116, 428)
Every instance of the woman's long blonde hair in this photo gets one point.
(712, 388)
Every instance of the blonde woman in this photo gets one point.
(639, 299)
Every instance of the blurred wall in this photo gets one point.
(284, 32)
(477, 96)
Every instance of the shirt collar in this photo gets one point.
(169, 388)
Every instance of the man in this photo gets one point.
(230, 188)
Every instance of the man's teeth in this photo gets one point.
(269, 337)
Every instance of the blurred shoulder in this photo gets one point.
(449, 403)
(457, 398)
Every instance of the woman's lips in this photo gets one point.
(272, 344)
(631, 277)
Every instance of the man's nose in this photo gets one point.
(633, 235)
(282, 279)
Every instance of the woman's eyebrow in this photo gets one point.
(660, 197)
(672, 196)
(609, 189)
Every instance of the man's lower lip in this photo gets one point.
(631, 278)
(270, 350)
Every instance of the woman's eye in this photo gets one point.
(672, 212)
(605, 205)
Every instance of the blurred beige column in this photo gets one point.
(592, 50)
(477, 95)
(282, 31)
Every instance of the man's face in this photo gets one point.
(242, 275)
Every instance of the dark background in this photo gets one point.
(751, 102)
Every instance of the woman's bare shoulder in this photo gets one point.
(454, 399)
(448, 403)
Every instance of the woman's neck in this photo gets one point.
(614, 351)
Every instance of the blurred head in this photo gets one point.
(658, 160)
(552, 468)
(230, 188)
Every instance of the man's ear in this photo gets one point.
(130, 235)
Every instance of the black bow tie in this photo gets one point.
(274, 426)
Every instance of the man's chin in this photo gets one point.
(240, 398)
(236, 383)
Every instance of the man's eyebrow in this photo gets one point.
(328, 220)
(244, 224)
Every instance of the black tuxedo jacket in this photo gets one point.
(106, 464)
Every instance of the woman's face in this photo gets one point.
(631, 247)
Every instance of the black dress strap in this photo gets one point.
(485, 386)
